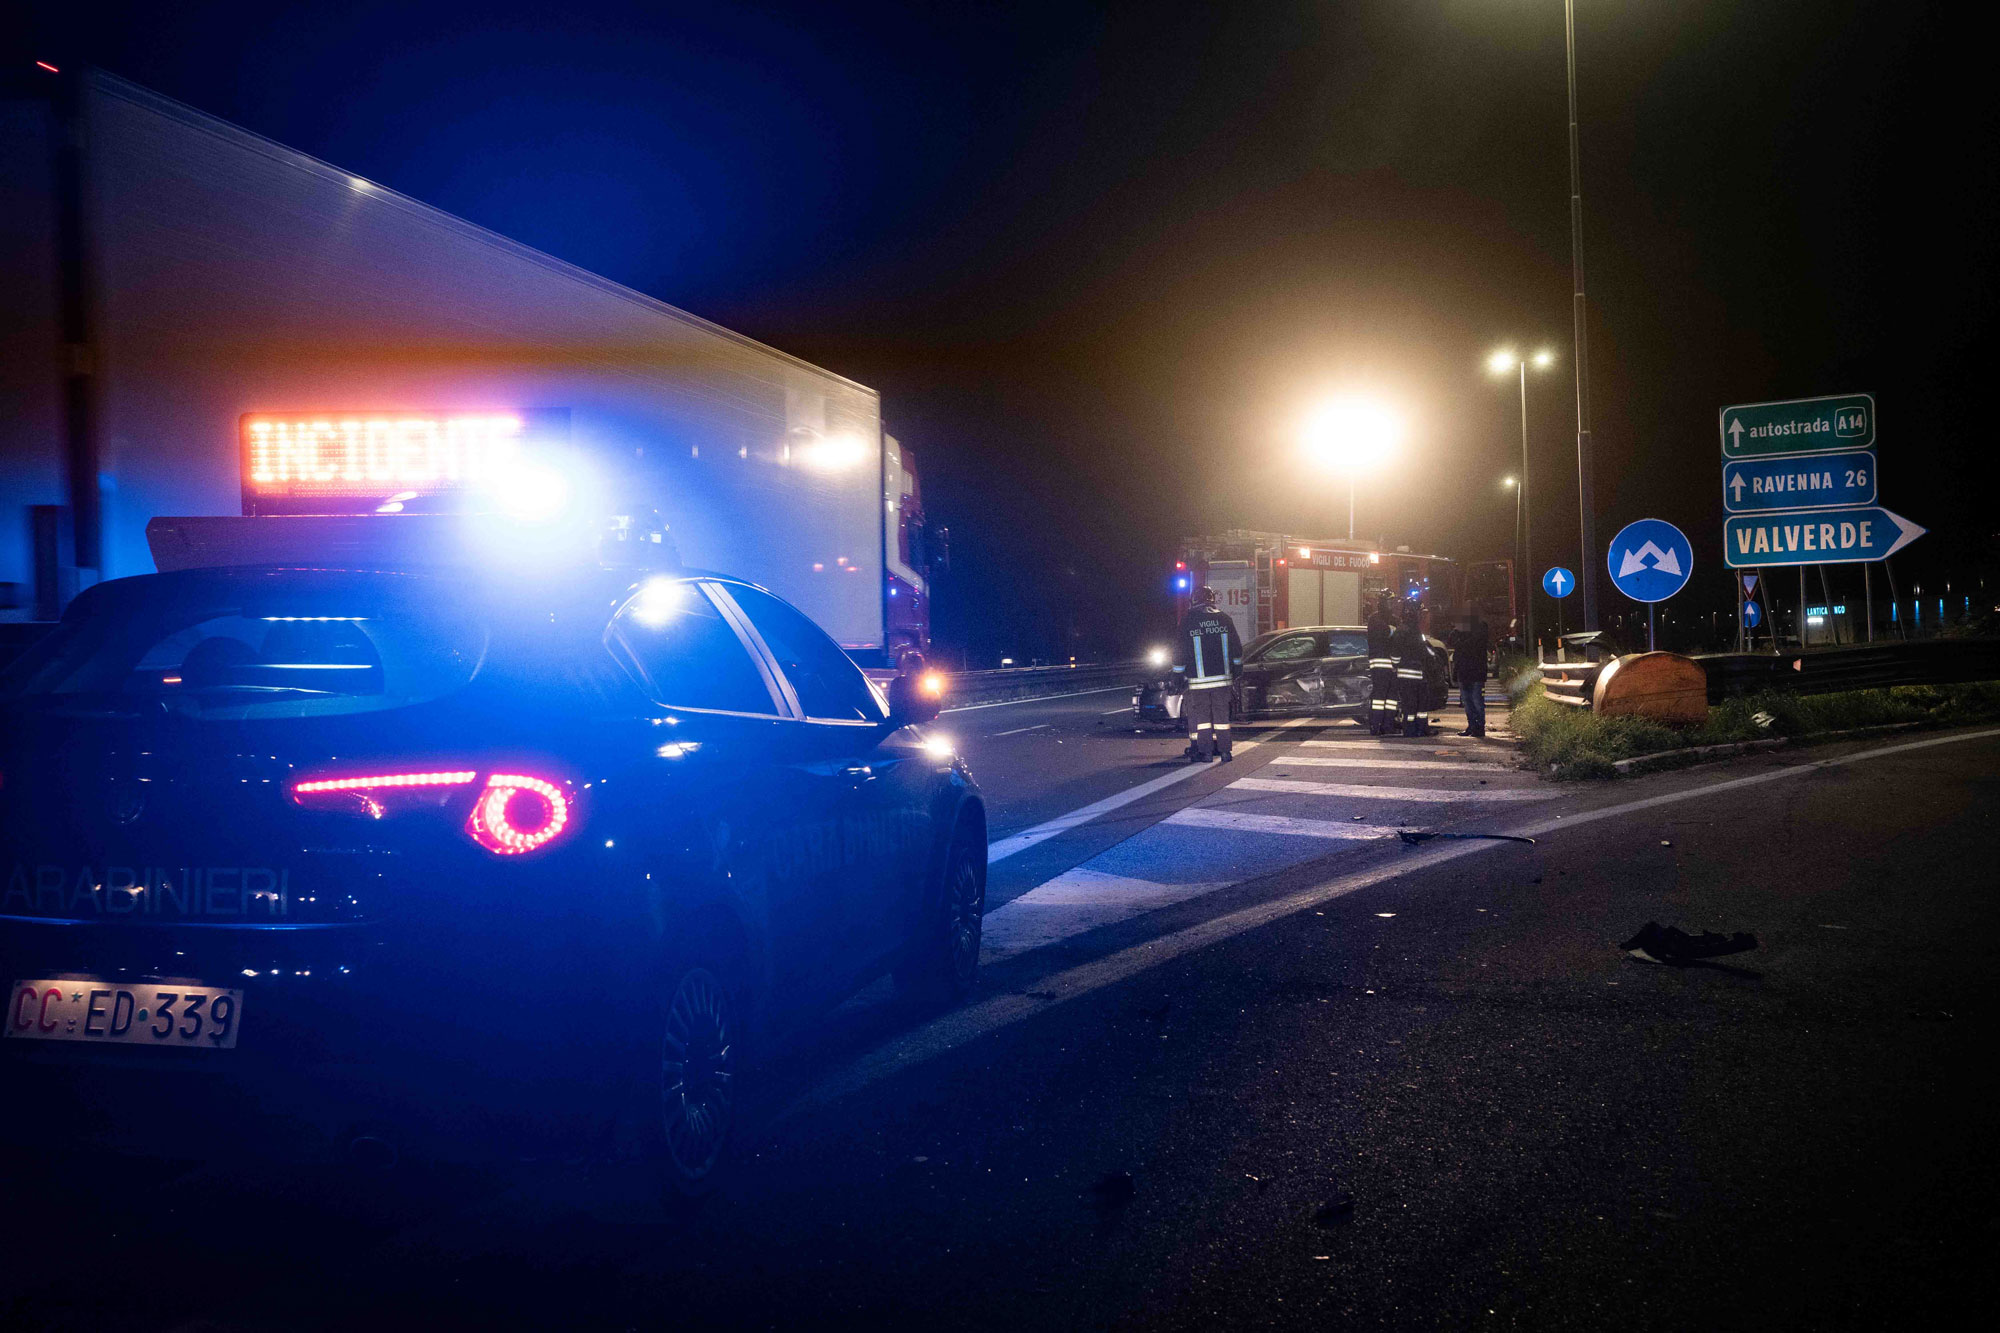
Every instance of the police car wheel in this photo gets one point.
(944, 962)
(700, 1064)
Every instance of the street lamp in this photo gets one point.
(1351, 435)
(1503, 362)
(1514, 484)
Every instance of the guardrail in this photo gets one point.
(1869, 666)
(1570, 682)
(1003, 683)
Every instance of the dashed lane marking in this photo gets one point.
(1038, 699)
(1392, 795)
(1018, 730)
(976, 1020)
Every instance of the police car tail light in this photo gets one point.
(518, 813)
(379, 794)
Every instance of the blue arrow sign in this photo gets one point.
(1753, 616)
(1650, 560)
(1558, 582)
(1823, 537)
(1823, 481)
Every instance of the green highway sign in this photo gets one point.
(1799, 426)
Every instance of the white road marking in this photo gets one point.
(1018, 730)
(955, 1029)
(1038, 699)
(1123, 708)
(1244, 821)
(1074, 902)
(1040, 833)
(1443, 765)
(1356, 791)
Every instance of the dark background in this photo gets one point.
(1099, 260)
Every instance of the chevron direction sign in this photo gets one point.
(1823, 537)
(1650, 560)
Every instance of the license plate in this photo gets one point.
(165, 1014)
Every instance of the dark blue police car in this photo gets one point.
(381, 843)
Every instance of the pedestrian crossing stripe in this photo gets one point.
(1244, 821)
(1360, 792)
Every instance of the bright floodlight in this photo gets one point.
(1508, 481)
(1502, 361)
(1544, 359)
(1351, 434)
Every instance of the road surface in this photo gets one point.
(1241, 1056)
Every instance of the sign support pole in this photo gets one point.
(1901, 624)
(1868, 596)
(1802, 607)
(1649, 627)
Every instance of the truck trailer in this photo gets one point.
(184, 293)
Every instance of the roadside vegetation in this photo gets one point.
(1570, 742)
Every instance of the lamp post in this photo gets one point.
(1500, 363)
(1348, 435)
(1584, 572)
(1520, 564)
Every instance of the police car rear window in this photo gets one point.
(275, 653)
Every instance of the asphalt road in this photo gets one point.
(1235, 1065)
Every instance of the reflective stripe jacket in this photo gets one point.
(1207, 643)
(1381, 643)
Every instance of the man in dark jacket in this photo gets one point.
(1205, 658)
(1412, 661)
(1468, 659)
(1381, 669)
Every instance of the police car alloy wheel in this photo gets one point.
(698, 1071)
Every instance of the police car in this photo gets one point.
(326, 824)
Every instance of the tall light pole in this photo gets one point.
(1585, 572)
(1500, 363)
(1520, 563)
(1350, 435)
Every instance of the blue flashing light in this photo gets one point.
(1181, 583)
(1894, 609)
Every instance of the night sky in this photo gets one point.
(1100, 260)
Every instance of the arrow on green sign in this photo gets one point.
(1799, 426)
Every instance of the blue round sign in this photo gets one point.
(1558, 582)
(1752, 616)
(1650, 560)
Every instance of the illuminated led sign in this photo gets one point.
(355, 462)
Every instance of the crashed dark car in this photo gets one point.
(1310, 670)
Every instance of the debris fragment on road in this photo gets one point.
(1675, 947)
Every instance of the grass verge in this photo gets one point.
(1570, 742)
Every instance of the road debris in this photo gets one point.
(1675, 947)
(1338, 1209)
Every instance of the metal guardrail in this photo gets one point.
(1870, 666)
(1570, 682)
(1003, 683)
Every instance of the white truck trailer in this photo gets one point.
(176, 283)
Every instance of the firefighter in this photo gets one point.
(1205, 659)
(1381, 669)
(1412, 657)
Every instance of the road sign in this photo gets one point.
(1558, 582)
(1815, 481)
(1752, 615)
(1749, 585)
(1800, 426)
(1824, 537)
(1650, 560)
